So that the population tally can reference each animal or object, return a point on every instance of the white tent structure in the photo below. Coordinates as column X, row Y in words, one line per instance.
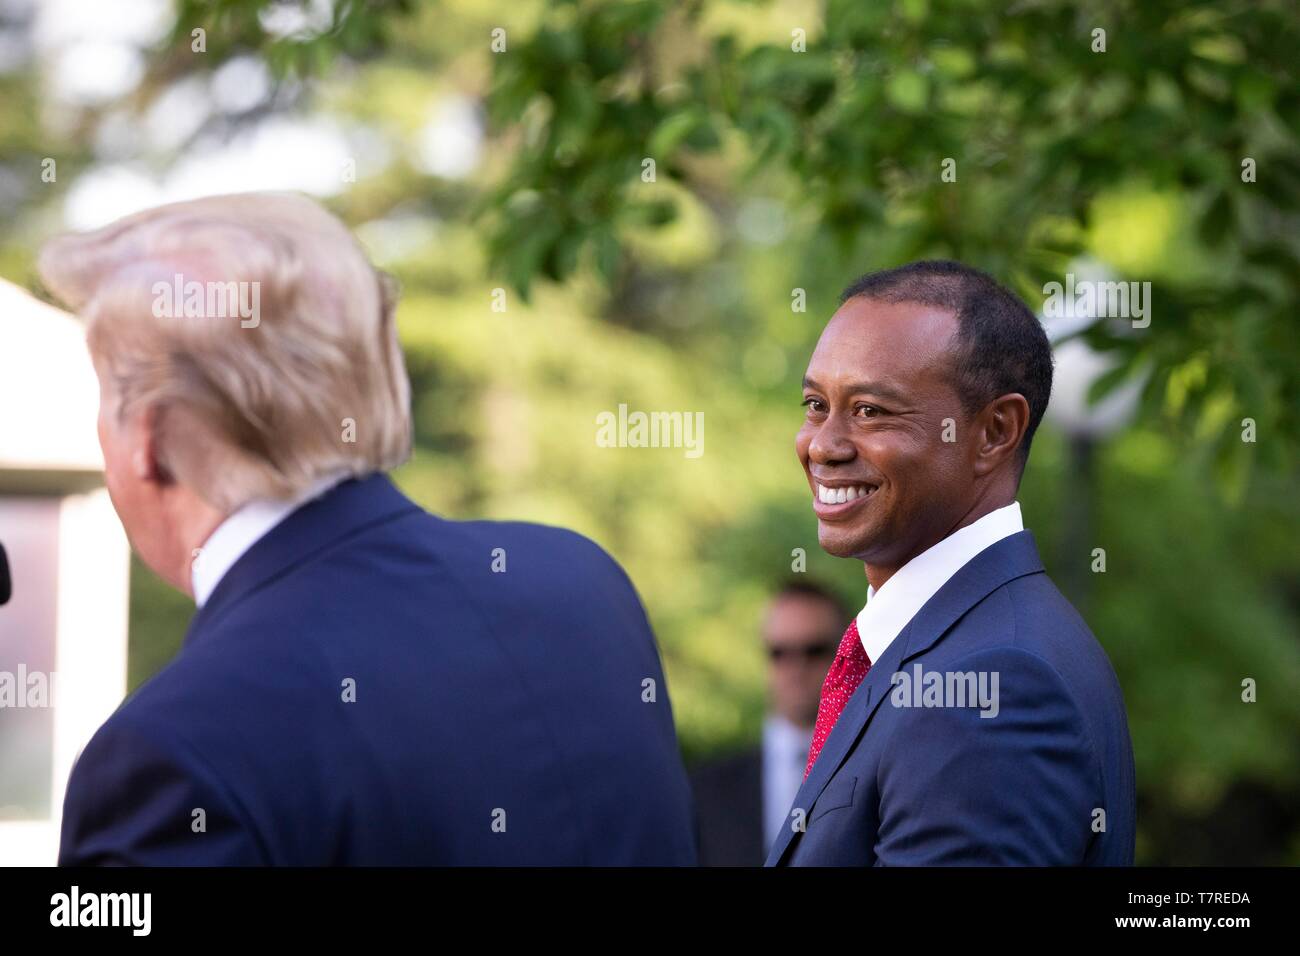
column 63, row 633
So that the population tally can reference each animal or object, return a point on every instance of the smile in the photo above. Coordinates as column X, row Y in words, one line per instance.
column 837, row 496
column 834, row 501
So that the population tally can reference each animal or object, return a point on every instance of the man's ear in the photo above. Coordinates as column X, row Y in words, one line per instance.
column 1000, row 428
column 142, row 433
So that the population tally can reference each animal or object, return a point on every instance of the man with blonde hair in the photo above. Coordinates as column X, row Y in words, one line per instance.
column 362, row 683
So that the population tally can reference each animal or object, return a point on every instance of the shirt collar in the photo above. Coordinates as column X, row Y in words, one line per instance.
column 242, row 529
column 890, row 609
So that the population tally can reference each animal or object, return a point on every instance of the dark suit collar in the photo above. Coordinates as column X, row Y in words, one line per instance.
column 343, row 510
column 1013, row 557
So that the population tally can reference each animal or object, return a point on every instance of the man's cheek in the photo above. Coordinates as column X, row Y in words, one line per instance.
column 802, row 440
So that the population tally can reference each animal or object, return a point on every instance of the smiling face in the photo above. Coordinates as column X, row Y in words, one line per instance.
column 879, row 387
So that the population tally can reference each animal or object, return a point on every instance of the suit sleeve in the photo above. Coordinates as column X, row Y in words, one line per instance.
column 1021, row 787
column 137, row 799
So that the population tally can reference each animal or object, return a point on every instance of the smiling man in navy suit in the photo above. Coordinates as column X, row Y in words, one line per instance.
column 363, row 683
column 970, row 716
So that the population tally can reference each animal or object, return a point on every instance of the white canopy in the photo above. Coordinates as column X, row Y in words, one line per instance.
column 49, row 397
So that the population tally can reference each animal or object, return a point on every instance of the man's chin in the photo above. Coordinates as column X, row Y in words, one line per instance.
column 841, row 542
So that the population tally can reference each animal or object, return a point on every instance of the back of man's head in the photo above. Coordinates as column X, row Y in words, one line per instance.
column 257, row 333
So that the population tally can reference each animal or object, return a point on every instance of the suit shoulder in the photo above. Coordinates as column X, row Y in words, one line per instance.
column 530, row 533
column 1047, row 624
column 539, row 546
column 452, row 536
column 1036, row 599
column 1030, row 614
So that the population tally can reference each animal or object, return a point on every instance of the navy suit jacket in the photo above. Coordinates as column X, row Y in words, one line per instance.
column 515, row 717
column 1048, row 780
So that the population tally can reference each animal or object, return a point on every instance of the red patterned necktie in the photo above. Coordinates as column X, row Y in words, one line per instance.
column 851, row 665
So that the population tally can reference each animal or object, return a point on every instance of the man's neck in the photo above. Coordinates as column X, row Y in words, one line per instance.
column 194, row 526
column 878, row 574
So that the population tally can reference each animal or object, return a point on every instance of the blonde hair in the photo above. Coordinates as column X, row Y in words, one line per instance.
column 245, row 407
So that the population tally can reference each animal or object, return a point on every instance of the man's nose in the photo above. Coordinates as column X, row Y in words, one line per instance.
column 830, row 444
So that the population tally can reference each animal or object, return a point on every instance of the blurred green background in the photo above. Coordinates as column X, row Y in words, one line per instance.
column 494, row 151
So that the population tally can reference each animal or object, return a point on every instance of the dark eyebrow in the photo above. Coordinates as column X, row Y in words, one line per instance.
column 870, row 388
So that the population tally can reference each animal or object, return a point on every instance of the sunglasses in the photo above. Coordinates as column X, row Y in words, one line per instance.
column 809, row 652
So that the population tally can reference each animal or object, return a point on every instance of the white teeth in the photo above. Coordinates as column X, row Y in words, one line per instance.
column 838, row 496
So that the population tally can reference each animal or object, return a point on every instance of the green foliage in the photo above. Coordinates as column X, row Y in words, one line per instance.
column 234, row 26
column 1043, row 128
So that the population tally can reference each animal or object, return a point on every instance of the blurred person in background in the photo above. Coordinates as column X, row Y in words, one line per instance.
column 742, row 799
column 363, row 682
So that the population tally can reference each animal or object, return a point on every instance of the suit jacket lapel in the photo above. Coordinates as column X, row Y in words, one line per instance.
column 873, row 689
column 1012, row 557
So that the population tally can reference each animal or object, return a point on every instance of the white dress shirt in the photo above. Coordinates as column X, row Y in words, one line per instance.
column 242, row 529
column 890, row 609
column 785, row 755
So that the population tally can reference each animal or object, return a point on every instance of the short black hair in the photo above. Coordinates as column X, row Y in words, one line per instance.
column 803, row 587
column 1000, row 345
